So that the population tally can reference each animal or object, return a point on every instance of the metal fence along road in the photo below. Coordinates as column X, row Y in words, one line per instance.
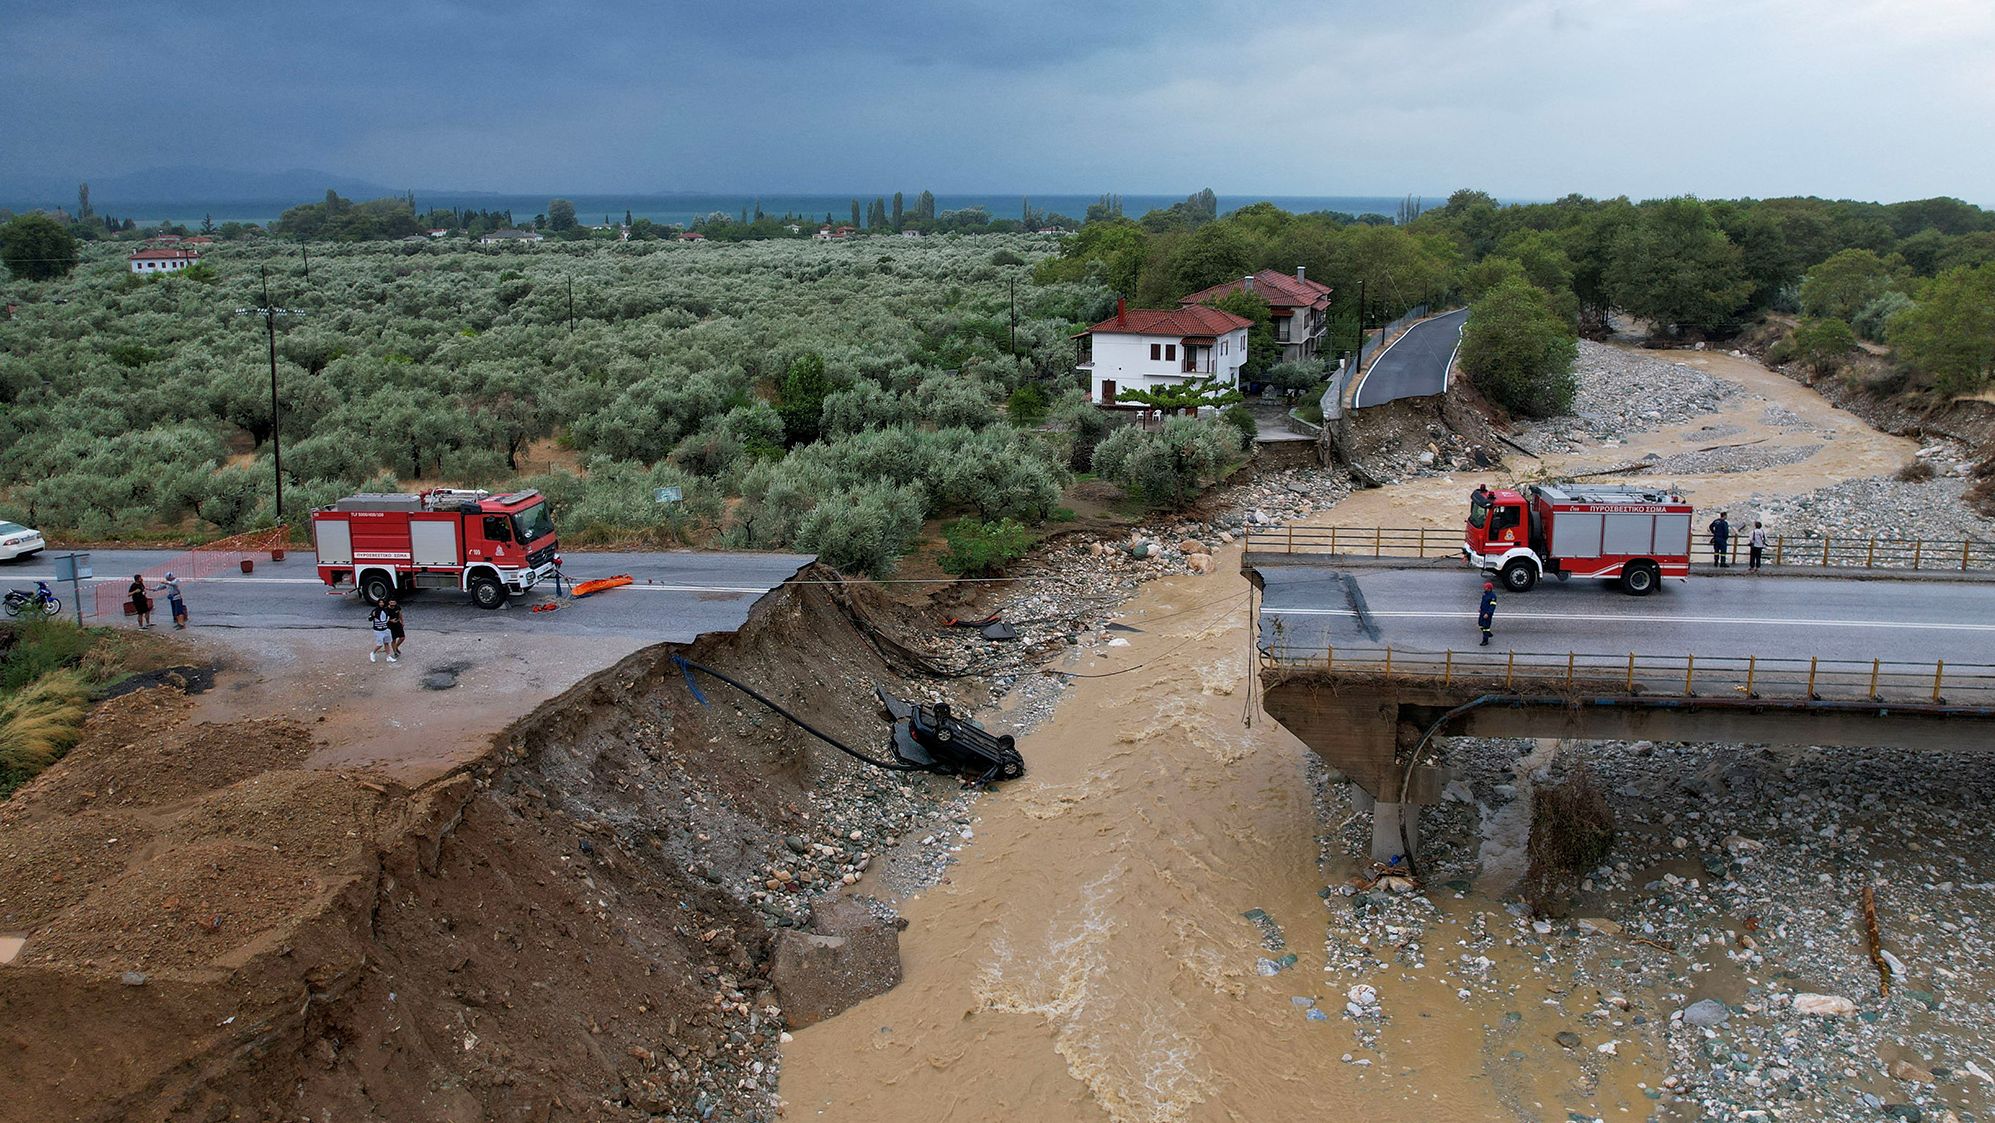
column 1662, row 676
column 1848, row 552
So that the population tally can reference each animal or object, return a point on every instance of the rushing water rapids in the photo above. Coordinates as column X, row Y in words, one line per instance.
column 1092, row 956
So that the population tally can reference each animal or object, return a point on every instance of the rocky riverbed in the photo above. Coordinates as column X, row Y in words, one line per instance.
column 1623, row 392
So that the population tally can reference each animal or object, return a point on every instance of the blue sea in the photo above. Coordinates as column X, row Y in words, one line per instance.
column 685, row 208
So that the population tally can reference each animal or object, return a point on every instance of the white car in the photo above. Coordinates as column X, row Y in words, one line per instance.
column 17, row 541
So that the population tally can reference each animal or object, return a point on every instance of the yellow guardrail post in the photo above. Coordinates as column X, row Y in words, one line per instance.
column 1966, row 549
column 1689, row 668
column 1333, row 539
column 1752, row 667
column 1378, row 541
column 1569, row 660
column 1330, row 657
column 1291, row 538
column 1812, row 662
column 1939, row 668
column 1388, row 662
column 1631, row 672
column 1917, row 543
column 1448, row 668
column 1779, row 548
column 1870, row 559
column 1875, row 665
column 1510, row 669
column 1826, row 539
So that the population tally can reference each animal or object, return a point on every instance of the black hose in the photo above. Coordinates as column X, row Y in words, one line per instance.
column 687, row 665
column 1413, row 760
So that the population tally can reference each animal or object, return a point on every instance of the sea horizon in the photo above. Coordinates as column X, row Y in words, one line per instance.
column 687, row 207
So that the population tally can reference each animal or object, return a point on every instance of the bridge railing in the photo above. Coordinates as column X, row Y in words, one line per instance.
column 1674, row 676
column 1828, row 551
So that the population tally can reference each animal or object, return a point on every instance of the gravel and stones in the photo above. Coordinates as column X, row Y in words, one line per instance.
column 1623, row 392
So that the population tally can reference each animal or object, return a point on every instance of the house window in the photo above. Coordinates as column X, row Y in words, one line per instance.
column 1170, row 352
column 1156, row 351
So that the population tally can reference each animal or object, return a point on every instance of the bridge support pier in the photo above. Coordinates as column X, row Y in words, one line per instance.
column 1388, row 820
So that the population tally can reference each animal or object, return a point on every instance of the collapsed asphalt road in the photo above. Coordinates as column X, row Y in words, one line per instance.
column 676, row 596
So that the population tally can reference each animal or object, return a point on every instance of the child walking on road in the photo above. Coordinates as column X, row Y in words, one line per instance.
column 384, row 640
column 1485, row 616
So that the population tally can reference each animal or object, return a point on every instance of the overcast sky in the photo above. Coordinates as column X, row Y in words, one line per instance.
column 1873, row 99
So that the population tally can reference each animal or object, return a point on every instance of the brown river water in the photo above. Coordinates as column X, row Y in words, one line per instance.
column 1088, row 957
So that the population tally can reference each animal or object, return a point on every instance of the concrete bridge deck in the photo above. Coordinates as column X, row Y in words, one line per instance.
column 1367, row 662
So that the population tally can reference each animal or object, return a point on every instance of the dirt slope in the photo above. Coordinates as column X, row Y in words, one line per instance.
column 574, row 926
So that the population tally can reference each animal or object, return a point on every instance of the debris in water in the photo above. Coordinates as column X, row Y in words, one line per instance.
column 1267, row 966
column 1271, row 933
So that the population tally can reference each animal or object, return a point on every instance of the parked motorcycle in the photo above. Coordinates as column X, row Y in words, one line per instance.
column 41, row 602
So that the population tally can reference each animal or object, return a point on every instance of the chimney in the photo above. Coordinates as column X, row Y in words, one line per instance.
column 1247, row 283
column 1299, row 274
column 1121, row 312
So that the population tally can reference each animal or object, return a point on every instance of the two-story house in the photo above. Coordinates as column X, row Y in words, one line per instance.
column 1145, row 348
column 1298, row 307
column 163, row 260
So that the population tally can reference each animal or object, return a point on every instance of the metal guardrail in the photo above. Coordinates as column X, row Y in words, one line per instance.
column 1831, row 552
column 1661, row 676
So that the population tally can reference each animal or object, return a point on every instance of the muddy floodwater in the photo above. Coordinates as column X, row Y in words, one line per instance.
column 1155, row 924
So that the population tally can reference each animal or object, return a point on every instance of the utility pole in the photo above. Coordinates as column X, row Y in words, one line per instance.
column 1012, row 340
column 1361, row 327
column 307, row 251
column 571, row 304
column 270, row 312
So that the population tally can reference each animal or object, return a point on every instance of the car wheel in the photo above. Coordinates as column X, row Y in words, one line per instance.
column 1519, row 576
column 486, row 592
column 1639, row 579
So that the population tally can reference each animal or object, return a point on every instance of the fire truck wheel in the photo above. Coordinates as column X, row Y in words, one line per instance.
column 1519, row 576
column 486, row 592
column 377, row 588
column 1638, row 579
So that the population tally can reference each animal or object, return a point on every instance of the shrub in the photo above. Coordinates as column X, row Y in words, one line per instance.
column 1519, row 351
column 1873, row 318
column 1572, row 832
column 865, row 530
column 1916, row 472
column 39, row 722
column 1820, row 345
column 1170, row 467
column 983, row 549
column 1027, row 405
column 1242, row 418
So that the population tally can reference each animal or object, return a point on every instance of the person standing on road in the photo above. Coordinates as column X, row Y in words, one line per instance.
column 395, row 632
column 1485, row 616
column 1721, row 537
column 141, row 604
column 384, row 640
column 1756, row 546
column 175, row 605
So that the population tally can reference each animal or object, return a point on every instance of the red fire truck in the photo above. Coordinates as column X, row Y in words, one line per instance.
column 491, row 546
column 1638, row 535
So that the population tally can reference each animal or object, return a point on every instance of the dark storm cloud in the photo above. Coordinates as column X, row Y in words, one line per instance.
column 1524, row 97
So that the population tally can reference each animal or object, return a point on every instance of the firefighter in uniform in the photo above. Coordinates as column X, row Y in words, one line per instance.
column 1485, row 616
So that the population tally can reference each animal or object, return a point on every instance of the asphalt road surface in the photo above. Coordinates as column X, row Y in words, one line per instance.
column 676, row 597
column 1308, row 608
column 1416, row 364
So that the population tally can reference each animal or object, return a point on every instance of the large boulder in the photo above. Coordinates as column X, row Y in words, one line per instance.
column 847, row 956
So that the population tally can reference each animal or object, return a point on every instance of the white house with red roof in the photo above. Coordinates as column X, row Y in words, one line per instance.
column 1147, row 348
column 1298, row 307
column 162, row 259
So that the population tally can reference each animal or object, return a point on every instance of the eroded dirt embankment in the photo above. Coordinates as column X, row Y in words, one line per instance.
column 576, row 925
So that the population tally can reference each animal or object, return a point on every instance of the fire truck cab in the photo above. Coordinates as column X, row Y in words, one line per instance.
column 491, row 546
column 1635, row 535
